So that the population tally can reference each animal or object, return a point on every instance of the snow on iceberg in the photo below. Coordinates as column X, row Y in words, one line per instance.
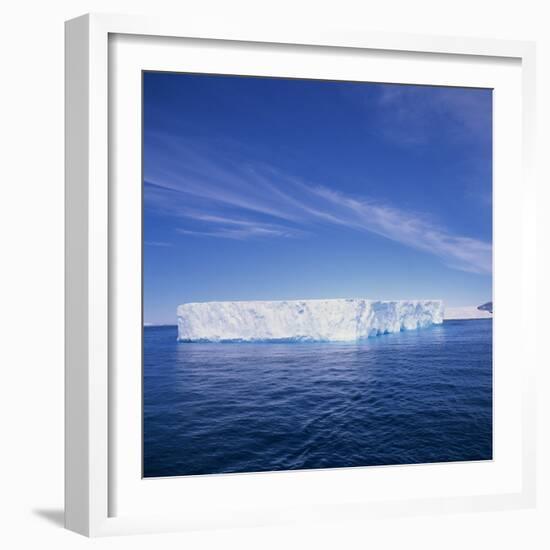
column 303, row 320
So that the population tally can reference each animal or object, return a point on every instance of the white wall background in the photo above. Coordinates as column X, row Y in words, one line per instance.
column 31, row 278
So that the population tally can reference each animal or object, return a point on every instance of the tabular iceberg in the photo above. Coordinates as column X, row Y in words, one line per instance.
column 303, row 320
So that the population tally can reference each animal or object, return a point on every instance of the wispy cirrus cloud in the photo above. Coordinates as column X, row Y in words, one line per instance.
column 407, row 116
column 457, row 251
column 237, row 234
column 238, row 229
column 209, row 195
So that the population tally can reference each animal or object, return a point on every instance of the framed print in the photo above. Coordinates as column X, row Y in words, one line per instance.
column 294, row 290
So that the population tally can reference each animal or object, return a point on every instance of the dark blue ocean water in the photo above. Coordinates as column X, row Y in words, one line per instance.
column 413, row 397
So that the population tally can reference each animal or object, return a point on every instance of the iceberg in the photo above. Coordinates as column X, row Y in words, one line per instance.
column 464, row 313
column 334, row 320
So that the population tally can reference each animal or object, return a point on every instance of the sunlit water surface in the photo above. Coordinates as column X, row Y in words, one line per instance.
column 413, row 397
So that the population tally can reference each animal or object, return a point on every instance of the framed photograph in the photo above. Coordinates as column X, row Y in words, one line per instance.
column 299, row 275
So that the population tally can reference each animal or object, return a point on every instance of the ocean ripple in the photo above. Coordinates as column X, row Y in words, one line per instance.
column 411, row 397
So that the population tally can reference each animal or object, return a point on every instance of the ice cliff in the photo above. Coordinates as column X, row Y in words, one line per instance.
column 303, row 320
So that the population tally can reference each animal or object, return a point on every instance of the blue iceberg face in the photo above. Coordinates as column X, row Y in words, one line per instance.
column 486, row 307
column 303, row 320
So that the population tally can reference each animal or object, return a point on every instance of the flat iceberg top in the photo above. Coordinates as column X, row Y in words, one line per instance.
column 466, row 312
column 333, row 320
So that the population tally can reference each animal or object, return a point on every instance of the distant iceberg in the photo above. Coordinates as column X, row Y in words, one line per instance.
column 488, row 306
column 464, row 313
column 337, row 320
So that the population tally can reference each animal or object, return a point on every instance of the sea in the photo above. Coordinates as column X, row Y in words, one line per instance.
column 413, row 397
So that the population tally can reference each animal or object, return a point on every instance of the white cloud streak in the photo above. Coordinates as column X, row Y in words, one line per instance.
column 253, row 201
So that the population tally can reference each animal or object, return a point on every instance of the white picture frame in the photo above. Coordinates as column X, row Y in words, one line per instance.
column 95, row 450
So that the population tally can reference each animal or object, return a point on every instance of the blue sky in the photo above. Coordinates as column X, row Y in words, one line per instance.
column 262, row 188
